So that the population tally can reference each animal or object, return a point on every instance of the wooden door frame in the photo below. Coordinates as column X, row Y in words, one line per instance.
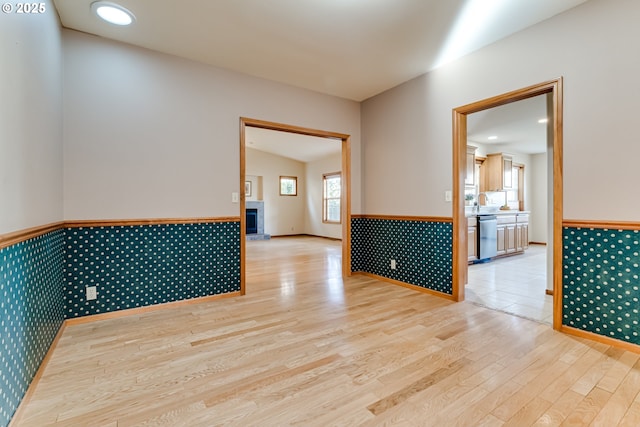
column 553, row 87
column 346, row 187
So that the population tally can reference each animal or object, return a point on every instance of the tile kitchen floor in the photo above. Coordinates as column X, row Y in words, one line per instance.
column 514, row 285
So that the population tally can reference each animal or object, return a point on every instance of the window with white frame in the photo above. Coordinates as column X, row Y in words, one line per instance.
column 331, row 194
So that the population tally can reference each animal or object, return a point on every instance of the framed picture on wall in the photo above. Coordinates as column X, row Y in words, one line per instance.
column 247, row 188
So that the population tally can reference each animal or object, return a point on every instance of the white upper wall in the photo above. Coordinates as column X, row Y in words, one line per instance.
column 407, row 131
column 314, row 172
column 539, row 196
column 30, row 120
column 286, row 215
column 148, row 135
column 283, row 215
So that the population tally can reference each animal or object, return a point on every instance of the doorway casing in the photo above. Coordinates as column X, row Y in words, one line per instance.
column 554, row 88
column 346, row 187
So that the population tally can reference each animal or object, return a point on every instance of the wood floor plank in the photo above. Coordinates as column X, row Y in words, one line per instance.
column 632, row 417
column 307, row 347
column 480, row 406
column 560, row 409
column 621, row 400
column 416, row 387
column 595, row 373
column 618, row 371
column 572, row 377
column 529, row 413
column 490, row 421
column 588, row 408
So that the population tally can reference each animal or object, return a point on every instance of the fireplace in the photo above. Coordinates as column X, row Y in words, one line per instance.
column 252, row 221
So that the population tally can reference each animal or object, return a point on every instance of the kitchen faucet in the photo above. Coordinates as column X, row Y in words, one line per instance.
column 478, row 200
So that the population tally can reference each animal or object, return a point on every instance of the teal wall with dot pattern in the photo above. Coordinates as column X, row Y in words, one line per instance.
column 142, row 265
column 31, row 313
column 43, row 281
column 600, row 285
column 422, row 250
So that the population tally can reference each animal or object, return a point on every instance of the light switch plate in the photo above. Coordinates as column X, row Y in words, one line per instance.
column 447, row 196
column 235, row 197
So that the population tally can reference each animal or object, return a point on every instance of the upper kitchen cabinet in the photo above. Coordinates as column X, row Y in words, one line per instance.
column 470, row 178
column 499, row 171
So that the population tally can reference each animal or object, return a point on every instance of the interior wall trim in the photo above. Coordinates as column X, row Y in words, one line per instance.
column 15, row 237
column 146, row 221
column 345, row 193
column 554, row 91
column 279, row 236
column 606, row 224
column 569, row 330
column 405, row 285
column 17, row 415
column 405, row 218
column 141, row 310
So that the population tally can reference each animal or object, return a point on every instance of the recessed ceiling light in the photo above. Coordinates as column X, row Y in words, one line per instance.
column 492, row 137
column 545, row 120
column 112, row 13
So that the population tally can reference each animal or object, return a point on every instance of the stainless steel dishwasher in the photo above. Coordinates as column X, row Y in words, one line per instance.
column 487, row 236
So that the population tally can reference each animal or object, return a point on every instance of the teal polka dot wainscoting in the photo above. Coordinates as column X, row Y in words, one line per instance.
column 141, row 265
column 43, row 281
column 600, row 288
column 422, row 251
column 31, row 313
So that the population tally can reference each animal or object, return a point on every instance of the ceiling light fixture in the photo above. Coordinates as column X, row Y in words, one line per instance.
column 492, row 137
column 113, row 13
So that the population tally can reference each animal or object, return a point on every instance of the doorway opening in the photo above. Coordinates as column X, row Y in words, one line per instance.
column 554, row 133
column 345, row 186
column 508, row 190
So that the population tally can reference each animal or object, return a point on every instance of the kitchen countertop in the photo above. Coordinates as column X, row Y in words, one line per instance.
column 497, row 212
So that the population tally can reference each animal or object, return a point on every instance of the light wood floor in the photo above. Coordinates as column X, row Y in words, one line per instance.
column 304, row 347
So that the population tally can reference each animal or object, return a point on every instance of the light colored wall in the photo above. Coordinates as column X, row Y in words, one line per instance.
column 538, row 217
column 150, row 135
column 256, row 187
column 407, row 160
column 30, row 120
column 313, row 219
column 283, row 215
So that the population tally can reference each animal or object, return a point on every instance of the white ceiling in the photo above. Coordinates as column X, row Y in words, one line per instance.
column 353, row 49
column 294, row 146
column 348, row 48
column 515, row 125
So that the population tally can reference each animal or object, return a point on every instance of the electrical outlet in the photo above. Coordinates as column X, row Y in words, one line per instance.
column 393, row 264
column 91, row 293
